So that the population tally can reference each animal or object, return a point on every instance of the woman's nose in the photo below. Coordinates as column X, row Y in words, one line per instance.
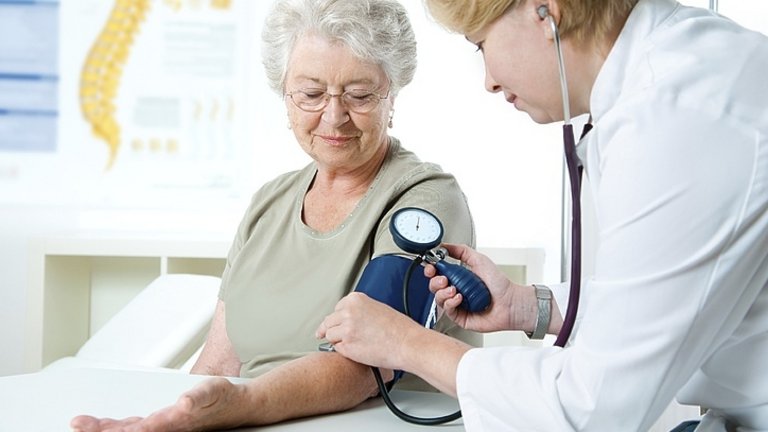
column 490, row 83
column 335, row 113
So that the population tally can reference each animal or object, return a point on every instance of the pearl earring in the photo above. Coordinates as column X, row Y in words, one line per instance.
column 391, row 114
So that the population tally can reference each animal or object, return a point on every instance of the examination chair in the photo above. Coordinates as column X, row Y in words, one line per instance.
column 164, row 326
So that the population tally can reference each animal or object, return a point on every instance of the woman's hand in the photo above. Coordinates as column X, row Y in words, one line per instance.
column 498, row 316
column 213, row 404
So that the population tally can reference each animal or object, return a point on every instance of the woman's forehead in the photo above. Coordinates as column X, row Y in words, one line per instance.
column 317, row 59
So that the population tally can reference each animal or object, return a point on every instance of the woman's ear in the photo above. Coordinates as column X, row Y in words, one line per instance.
column 391, row 103
column 546, row 11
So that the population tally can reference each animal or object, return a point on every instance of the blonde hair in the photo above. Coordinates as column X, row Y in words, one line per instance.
column 583, row 20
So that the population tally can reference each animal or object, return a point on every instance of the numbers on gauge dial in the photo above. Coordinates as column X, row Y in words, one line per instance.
column 419, row 227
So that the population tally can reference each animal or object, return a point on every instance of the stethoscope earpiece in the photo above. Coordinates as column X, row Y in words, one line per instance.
column 543, row 11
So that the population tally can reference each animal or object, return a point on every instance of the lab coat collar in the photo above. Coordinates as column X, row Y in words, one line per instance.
column 617, row 74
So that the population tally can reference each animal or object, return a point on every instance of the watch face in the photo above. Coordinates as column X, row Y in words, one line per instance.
column 416, row 230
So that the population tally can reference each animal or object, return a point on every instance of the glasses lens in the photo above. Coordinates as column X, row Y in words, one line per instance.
column 359, row 101
column 309, row 100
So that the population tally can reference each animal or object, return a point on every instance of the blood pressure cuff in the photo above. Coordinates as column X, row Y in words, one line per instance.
column 382, row 280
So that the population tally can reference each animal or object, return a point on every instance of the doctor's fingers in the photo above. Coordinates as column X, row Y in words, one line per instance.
column 429, row 270
column 444, row 292
column 461, row 252
column 437, row 283
column 341, row 330
column 357, row 317
column 343, row 312
column 332, row 320
column 449, row 301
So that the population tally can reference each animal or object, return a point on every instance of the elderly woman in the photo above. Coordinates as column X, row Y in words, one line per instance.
column 678, row 165
column 308, row 234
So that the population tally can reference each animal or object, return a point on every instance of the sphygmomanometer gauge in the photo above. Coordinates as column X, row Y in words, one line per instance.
column 415, row 230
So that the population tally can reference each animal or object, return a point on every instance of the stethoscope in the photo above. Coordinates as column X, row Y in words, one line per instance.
column 574, row 177
column 424, row 245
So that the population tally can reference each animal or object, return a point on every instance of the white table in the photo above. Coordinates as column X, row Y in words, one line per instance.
column 47, row 400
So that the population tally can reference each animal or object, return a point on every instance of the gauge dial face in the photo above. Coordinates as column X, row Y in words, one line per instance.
column 416, row 230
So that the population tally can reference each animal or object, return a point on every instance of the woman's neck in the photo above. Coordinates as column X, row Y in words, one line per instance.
column 587, row 61
column 334, row 194
column 343, row 181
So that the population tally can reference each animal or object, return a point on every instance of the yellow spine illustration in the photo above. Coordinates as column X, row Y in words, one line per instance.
column 221, row 4
column 103, row 69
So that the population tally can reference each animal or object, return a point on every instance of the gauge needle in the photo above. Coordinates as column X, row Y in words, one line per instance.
column 418, row 219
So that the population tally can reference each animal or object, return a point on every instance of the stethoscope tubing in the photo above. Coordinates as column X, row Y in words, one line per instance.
column 574, row 176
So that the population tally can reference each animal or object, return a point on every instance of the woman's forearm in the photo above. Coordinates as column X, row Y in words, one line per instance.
column 316, row 384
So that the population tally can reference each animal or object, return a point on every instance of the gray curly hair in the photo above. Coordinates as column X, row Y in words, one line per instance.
column 377, row 31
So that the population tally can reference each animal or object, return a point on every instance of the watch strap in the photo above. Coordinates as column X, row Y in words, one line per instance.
column 544, row 314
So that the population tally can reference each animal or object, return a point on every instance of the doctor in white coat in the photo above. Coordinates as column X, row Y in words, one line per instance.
column 678, row 165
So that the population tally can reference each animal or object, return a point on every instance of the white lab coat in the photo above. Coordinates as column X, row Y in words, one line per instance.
column 678, row 303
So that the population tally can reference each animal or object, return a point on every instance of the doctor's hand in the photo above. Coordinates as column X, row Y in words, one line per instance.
column 500, row 315
column 211, row 405
column 368, row 331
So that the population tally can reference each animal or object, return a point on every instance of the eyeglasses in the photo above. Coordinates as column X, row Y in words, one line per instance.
column 358, row 101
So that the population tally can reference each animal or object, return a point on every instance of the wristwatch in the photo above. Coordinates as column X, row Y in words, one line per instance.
column 544, row 297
